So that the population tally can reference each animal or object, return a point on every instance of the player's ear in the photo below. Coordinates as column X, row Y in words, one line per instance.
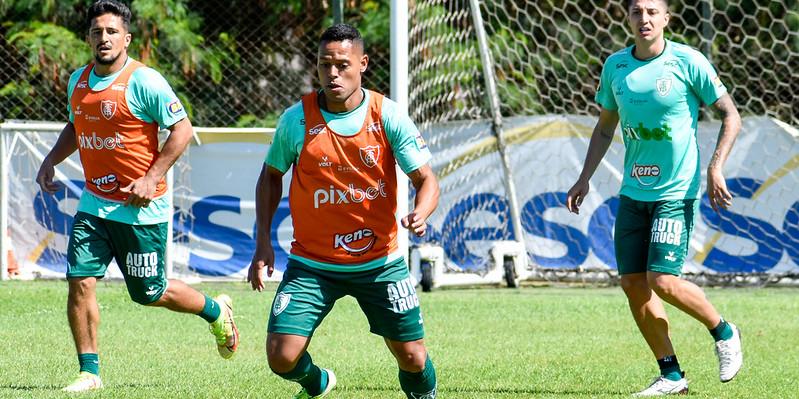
column 364, row 63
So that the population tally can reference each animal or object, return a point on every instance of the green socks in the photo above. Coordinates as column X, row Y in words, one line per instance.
column 421, row 384
column 89, row 362
column 211, row 310
column 721, row 332
column 670, row 368
column 308, row 375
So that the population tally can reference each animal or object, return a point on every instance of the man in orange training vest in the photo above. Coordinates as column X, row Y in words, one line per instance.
column 343, row 143
column 116, row 106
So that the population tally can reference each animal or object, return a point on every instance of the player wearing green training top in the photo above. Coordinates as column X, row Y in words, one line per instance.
column 654, row 89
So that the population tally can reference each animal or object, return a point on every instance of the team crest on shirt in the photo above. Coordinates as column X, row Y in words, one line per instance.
column 663, row 86
column 108, row 108
column 281, row 302
column 370, row 155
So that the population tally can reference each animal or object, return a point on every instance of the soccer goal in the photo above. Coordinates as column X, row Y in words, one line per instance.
column 503, row 91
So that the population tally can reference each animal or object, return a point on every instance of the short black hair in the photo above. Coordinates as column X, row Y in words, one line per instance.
column 115, row 7
column 630, row 2
column 340, row 33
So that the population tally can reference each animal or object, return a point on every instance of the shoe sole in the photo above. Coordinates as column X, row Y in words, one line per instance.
column 228, row 303
column 331, row 383
column 740, row 338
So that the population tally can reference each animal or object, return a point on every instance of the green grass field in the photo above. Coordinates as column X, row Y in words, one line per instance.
column 486, row 343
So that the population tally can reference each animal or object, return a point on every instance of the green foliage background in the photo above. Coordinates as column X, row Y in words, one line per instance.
column 241, row 62
column 234, row 63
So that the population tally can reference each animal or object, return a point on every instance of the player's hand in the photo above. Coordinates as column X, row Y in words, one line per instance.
column 140, row 192
column 264, row 257
column 576, row 195
column 717, row 191
column 415, row 223
column 45, row 177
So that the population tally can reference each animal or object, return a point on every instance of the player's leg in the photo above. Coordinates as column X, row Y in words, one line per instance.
column 88, row 255
column 388, row 298
column 417, row 375
column 631, row 240
column 139, row 251
column 303, row 299
column 649, row 314
column 671, row 231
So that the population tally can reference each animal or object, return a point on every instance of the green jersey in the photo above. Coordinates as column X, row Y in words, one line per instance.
column 658, row 104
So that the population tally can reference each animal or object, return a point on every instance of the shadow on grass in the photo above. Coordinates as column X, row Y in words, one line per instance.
column 514, row 391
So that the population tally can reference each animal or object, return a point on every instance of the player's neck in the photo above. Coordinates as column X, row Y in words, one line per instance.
column 647, row 50
column 352, row 102
column 114, row 67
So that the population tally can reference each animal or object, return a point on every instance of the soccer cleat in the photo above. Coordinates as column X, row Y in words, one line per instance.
column 730, row 355
column 331, row 383
column 661, row 386
column 85, row 382
column 224, row 328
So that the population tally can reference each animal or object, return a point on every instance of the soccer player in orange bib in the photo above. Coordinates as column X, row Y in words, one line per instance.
column 342, row 144
column 116, row 106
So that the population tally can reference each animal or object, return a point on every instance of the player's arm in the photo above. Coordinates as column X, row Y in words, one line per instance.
column 425, row 202
column 64, row 147
column 142, row 190
column 717, row 191
column 597, row 147
column 268, row 192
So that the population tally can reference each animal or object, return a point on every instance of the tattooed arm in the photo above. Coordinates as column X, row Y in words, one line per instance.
column 717, row 191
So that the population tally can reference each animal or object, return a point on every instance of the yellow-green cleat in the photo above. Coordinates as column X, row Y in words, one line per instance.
column 331, row 383
column 84, row 382
column 224, row 328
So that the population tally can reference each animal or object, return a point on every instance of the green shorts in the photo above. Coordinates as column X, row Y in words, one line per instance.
column 386, row 295
column 138, row 249
column 653, row 236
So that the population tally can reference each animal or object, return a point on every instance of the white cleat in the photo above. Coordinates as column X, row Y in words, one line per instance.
column 661, row 386
column 331, row 383
column 85, row 382
column 730, row 355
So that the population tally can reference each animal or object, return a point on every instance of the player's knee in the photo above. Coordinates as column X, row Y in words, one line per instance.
column 280, row 362
column 412, row 358
column 81, row 287
column 634, row 285
column 281, row 359
column 665, row 286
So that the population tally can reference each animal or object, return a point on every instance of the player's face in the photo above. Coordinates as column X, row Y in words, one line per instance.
column 108, row 38
column 647, row 19
column 340, row 65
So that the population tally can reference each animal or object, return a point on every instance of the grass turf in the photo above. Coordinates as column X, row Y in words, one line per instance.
column 486, row 343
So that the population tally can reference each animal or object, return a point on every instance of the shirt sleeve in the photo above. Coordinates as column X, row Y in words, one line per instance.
column 406, row 141
column 703, row 78
column 151, row 99
column 604, row 93
column 73, row 81
column 286, row 147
